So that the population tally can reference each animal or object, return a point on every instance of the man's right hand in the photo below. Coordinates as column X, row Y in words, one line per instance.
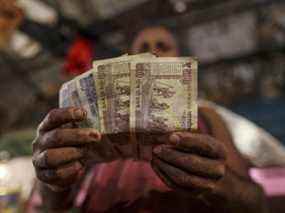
column 59, row 148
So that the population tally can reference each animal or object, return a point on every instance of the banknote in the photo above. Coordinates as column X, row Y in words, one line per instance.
column 64, row 100
column 74, row 94
column 132, row 99
column 81, row 92
column 69, row 96
column 164, row 94
column 113, row 92
column 163, row 99
column 86, row 88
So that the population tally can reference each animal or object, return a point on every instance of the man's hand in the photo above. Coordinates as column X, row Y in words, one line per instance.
column 196, row 165
column 191, row 162
column 58, row 150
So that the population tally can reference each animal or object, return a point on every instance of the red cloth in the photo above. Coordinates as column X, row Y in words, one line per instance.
column 79, row 57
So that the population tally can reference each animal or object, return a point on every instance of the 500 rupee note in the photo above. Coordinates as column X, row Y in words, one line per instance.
column 113, row 91
column 164, row 96
column 163, row 99
column 112, row 78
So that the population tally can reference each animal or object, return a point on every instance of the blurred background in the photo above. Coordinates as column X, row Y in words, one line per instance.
column 239, row 43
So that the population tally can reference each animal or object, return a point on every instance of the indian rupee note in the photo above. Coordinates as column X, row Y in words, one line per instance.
column 165, row 94
column 112, row 78
column 74, row 94
column 86, row 88
column 64, row 100
column 163, row 98
column 113, row 91
column 68, row 96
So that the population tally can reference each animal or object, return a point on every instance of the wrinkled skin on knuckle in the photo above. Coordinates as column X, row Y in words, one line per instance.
column 210, row 187
column 53, row 137
column 82, row 134
column 57, row 157
column 61, row 177
column 50, row 139
column 215, row 146
column 70, row 174
column 221, row 171
column 183, row 181
column 186, row 181
column 210, row 143
column 51, row 116
column 212, row 169
column 40, row 160
column 191, row 159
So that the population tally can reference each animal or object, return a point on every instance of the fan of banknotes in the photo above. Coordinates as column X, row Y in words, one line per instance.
column 136, row 93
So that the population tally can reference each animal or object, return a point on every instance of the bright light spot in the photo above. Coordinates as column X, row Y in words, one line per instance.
column 3, row 172
column 180, row 7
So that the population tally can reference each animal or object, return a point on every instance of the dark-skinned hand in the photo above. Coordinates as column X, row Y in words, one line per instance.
column 190, row 162
column 59, row 149
column 197, row 166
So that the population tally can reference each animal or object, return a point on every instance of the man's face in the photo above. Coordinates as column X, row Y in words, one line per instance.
column 156, row 40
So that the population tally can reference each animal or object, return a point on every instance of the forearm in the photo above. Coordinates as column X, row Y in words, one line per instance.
column 57, row 201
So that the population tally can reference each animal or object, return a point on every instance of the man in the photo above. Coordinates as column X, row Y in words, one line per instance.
column 189, row 172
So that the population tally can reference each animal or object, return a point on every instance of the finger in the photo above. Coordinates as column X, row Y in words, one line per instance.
column 61, row 176
column 58, row 117
column 204, row 145
column 68, row 137
column 163, row 176
column 178, row 178
column 191, row 163
column 53, row 158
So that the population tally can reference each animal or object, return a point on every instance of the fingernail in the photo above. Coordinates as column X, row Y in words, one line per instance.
column 79, row 113
column 95, row 135
column 174, row 139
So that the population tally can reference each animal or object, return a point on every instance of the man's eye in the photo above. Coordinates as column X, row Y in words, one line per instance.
column 145, row 47
column 162, row 46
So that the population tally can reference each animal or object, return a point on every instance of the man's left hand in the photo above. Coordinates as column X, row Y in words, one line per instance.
column 190, row 162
